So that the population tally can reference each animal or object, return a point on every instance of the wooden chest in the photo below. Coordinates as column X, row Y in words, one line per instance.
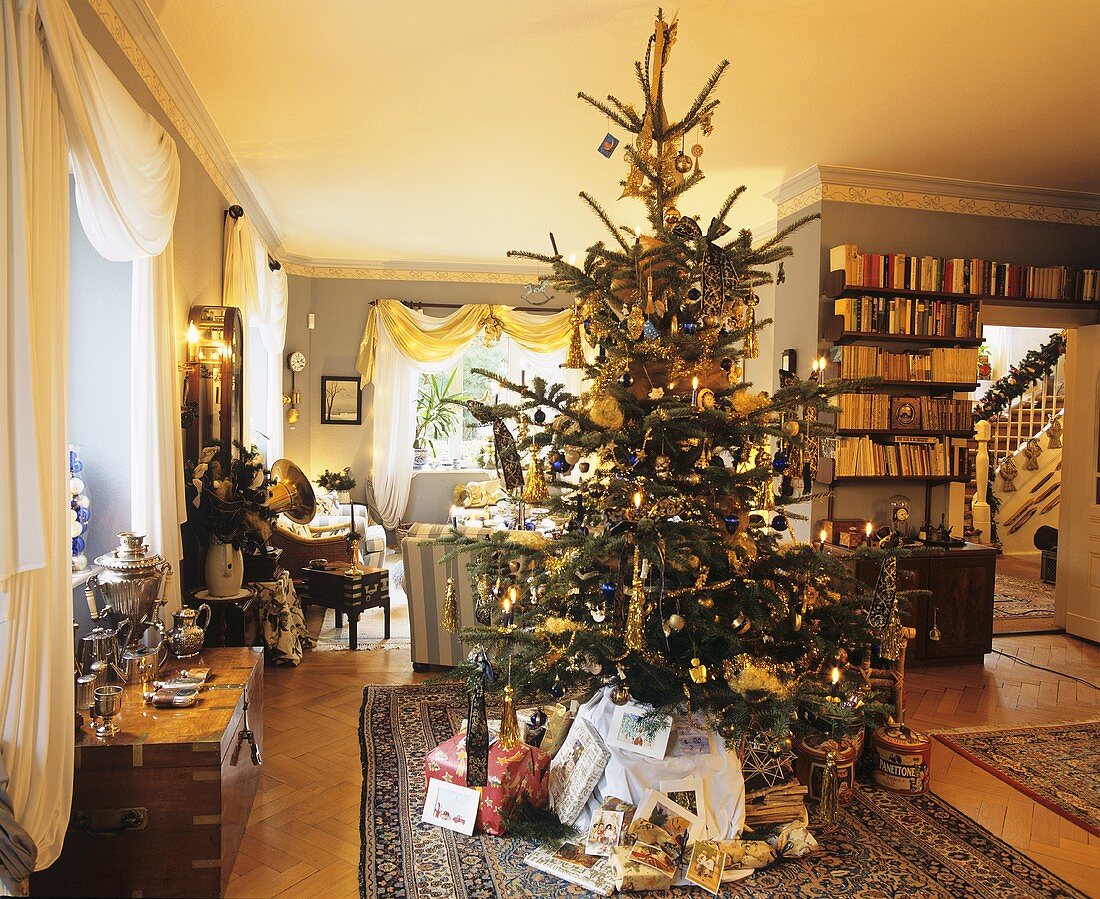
column 161, row 808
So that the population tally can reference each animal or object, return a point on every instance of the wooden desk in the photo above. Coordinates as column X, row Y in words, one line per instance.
column 182, row 771
column 961, row 581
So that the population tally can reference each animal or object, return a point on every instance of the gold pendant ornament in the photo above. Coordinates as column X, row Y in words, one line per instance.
column 509, row 722
column 450, row 607
column 575, row 356
column 635, row 322
column 534, row 486
column 635, row 615
column 751, row 349
column 830, row 792
column 698, row 671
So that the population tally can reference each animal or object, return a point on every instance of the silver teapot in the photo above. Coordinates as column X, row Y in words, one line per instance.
column 133, row 581
column 99, row 652
column 186, row 638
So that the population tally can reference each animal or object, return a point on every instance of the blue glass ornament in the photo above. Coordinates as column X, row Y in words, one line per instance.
column 587, row 325
column 731, row 522
column 608, row 590
column 557, row 690
column 649, row 331
column 780, row 462
column 78, row 545
column 76, row 466
column 779, row 523
column 529, row 524
column 633, row 458
column 539, row 416
column 557, row 464
column 538, row 718
column 83, row 515
column 689, row 327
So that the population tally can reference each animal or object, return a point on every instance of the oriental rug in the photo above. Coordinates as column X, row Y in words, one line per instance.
column 883, row 844
column 1058, row 765
column 1021, row 605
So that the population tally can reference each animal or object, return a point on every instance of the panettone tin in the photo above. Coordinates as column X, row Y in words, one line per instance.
column 902, row 758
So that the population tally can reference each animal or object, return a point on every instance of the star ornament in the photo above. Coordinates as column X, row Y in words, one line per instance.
column 765, row 766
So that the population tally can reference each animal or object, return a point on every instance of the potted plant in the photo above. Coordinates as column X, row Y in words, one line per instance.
column 338, row 482
column 228, row 496
column 436, row 416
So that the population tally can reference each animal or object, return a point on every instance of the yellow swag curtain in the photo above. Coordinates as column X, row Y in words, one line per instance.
column 421, row 338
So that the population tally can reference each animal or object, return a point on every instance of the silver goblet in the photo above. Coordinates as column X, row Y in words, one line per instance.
column 108, row 703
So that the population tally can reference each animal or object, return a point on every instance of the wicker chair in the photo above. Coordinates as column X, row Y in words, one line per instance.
column 299, row 550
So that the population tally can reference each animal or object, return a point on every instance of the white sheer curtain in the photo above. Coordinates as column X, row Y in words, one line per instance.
column 127, row 183
column 394, row 418
column 251, row 285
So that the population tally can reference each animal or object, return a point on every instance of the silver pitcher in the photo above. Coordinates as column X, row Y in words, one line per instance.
column 133, row 581
column 187, row 637
column 99, row 652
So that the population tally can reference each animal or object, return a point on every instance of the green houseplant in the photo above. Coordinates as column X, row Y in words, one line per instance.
column 338, row 482
column 436, row 415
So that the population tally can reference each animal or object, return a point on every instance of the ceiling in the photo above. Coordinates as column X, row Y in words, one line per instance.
column 435, row 131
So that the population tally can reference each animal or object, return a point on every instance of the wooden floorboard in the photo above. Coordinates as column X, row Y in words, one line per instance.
column 303, row 834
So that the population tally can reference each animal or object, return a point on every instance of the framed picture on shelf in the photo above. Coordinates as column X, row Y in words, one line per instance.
column 341, row 400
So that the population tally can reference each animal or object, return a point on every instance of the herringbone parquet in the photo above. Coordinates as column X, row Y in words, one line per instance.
column 303, row 835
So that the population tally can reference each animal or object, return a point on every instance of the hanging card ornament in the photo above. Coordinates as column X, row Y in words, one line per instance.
column 608, row 145
column 885, row 600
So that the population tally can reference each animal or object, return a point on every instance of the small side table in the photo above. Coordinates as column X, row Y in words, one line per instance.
column 334, row 587
column 233, row 619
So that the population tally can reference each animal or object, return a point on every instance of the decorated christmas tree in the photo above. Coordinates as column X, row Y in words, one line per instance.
column 675, row 579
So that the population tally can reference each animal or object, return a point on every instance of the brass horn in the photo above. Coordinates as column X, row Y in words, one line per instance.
column 291, row 494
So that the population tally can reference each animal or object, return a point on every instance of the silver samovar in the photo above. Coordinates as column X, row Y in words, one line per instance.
column 133, row 581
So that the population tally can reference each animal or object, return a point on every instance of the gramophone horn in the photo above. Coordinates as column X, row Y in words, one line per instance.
column 291, row 494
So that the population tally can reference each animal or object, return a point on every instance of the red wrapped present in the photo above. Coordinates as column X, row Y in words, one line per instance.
column 518, row 774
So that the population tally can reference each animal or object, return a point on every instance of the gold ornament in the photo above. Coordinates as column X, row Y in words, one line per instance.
column 575, row 356
column 830, row 792
column 704, row 399
column 534, row 487
column 509, row 723
column 706, row 602
column 751, row 349
column 606, row 412
column 635, row 615
column 791, row 428
column 683, row 163
column 493, row 330
column 450, row 607
column 635, row 322
column 620, row 695
column 698, row 671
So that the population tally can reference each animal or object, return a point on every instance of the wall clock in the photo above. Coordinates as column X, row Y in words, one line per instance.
column 296, row 361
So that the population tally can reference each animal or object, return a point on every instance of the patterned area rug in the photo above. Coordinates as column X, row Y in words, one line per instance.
column 1057, row 766
column 884, row 844
column 1015, row 597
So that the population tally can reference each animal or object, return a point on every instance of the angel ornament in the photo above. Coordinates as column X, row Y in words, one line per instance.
column 1007, row 470
column 1033, row 450
column 1054, row 432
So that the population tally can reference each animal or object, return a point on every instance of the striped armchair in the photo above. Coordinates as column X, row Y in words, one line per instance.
column 426, row 585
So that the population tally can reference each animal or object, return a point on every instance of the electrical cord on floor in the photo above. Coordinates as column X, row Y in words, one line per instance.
column 1051, row 670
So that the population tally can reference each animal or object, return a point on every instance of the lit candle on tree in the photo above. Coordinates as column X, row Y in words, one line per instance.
column 821, row 538
column 694, row 389
column 821, row 363
column 867, row 532
column 508, row 606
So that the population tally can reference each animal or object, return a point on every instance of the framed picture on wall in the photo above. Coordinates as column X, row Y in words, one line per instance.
column 341, row 400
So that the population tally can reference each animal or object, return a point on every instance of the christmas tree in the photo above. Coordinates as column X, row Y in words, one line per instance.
column 675, row 578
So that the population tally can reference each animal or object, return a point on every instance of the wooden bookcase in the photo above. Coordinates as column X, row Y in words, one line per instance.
column 834, row 334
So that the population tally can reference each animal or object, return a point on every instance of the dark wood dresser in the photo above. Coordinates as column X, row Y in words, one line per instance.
column 961, row 607
column 161, row 808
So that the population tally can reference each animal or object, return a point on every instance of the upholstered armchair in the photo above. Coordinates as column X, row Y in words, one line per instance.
column 326, row 538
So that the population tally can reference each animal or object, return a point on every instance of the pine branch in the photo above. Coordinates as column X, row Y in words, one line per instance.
column 786, row 231
column 627, row 112
column 537, row 257
column 724, row 210
column 613, row 114
column 692, row 115
column 605, row 218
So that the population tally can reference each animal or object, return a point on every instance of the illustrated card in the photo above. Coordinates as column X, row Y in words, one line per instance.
column 682, row 825
column 706, row 864
column 450, row 805
column 603, row 832
column 633, row 728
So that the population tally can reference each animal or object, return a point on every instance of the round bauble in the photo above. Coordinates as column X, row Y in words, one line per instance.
column 683, row 163
column 626, row 379
column 727, row 364
column 78, row 545
column 620, row 695
column 780, row 462
column 676, row 622
column 598, row 614
column 82, row 501
column 539, row 416
column 791, row 429
column 73, row 515
column 514, row 566
column 76, row 486
column 537, row 719
column 584, row 466
column 556, row 689
column 572, row 456
column 75, row 528
column 779, row 523
column 694, row 294
column 693, row 477
column 80, row 562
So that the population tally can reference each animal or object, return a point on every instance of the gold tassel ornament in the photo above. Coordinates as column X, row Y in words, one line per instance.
column 635, row 615
column 509, row 722
column 830, row 792
column 534, row 487
column 751, row 349
column 575, row 356
column 450, row 607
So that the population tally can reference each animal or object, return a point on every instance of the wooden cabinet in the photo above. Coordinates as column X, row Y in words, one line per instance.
column 961, row 605
column 161, row 808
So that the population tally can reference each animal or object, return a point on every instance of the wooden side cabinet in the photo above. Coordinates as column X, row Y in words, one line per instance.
column 161, row 808
column 961, row 582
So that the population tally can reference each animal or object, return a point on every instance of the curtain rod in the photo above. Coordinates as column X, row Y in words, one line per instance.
column 419, row 306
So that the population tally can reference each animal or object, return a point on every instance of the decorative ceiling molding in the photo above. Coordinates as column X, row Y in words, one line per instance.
column 902, row 191
column 389, row 273
column 134, row 28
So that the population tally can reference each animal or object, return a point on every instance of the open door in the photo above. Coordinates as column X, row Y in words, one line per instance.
column 1077, row 601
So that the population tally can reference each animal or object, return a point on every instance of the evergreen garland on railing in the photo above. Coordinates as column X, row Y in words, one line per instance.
column 1035, row 366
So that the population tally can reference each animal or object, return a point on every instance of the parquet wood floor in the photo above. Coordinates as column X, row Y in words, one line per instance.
column 303, row 834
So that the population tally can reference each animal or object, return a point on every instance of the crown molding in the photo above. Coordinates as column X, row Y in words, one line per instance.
column 412, row 271
column 899, row 190
column 134, row 28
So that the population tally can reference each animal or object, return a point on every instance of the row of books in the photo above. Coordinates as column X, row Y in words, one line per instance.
column 954, row 365
column 912, row 457
column 906, row 315
column 976, row 277
column 881, row 412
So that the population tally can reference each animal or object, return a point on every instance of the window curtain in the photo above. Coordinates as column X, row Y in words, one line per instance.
column 251, row 285
column 59, row 98
column 400, row 344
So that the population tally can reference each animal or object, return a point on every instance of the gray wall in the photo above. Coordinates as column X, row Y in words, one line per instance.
column 340, row 307
column 918, row 232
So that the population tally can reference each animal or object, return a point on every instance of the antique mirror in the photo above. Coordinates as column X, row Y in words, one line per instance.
column 213, row 391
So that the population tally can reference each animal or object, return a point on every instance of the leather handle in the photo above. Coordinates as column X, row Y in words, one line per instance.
column 128, row 819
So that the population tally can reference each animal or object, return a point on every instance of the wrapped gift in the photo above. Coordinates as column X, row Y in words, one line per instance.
column 515, row 775
column 632, row 874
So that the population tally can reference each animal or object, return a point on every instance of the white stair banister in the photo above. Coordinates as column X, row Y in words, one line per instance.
column 982, row 519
